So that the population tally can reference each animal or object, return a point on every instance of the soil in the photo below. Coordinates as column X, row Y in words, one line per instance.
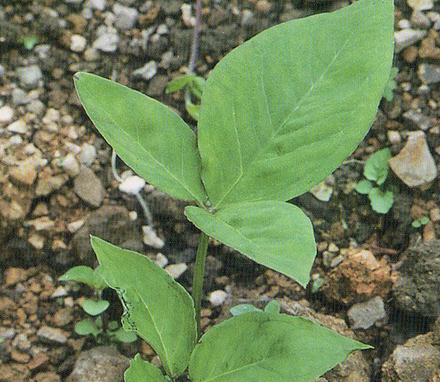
column 46, row 216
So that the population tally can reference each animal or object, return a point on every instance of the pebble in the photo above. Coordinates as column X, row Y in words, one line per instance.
column 417, row 120
column 188, row 19
column 89, row 187
column 150, row 237
column 217, row 297
column 24, row 174
column 125, row 17
column 263, row 6
column 421, row 5
column 2, row 71
column 70, row 165
column 14, row 275
column 19, row 97
column 52, row 335
column 429, row 73
column 407, row 37
column 87, row 155
column 99, row 5
column 161, row 260
column 394, row 137
column 247, row 18
column 6, row 114
column 132, row 185
column 18, row 127
column 414, row 164
column 77, row 43
column 107, row 42
column 147, row 72
column 420, row 20
column 176, row 270
column 404, row 24
column 29, row 76
column 364, row 315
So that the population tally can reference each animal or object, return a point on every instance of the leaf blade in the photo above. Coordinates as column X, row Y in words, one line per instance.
column 141, row 370
column 274, row 128
column 143, row 287
column 153, row 140
column 276, row 234
column 268, row 347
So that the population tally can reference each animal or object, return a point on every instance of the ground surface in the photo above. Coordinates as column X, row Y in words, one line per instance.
column 376, row 277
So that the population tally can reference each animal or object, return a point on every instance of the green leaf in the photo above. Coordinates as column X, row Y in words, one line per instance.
column 388, row 92
column 364, row 187
column 95, row 308
column 124, row 336
column 243, row 308
column 140, row 371
column 276, row 234
column 157, row 308
column 284, row 109
column 193, row 110
column 273, row 307
column 416, row 223
column 261, row 347
column 381, row 201
column 150, row 138
column 197, row 86
column 84, row 275
column 87, row 327
column 424, row 220
column 376, row 167
column 179, row 83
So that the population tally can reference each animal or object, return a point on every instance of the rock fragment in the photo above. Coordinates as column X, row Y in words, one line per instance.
column 364, row 315
column 29, row 76
column 407, row 37
column 414, row 165
column 89, row 187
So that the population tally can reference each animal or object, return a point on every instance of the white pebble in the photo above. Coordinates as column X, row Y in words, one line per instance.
column 218, row 297
column 70, row 165
column 132, row 185
column 77, row 43
column 161, row 260
column 18, row 127
column 176, row 270
column 150, row 237
column 6, row 114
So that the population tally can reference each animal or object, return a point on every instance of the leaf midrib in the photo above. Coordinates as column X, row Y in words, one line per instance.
column 162, row 166
column 285, row 121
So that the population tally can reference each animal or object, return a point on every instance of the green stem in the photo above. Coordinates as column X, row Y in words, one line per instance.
column 199, row 274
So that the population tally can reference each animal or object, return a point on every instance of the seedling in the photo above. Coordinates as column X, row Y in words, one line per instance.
column 420, row 222
column 95, row 308
column 29, row 41
column 194, row 86
column 376, row 171
column 278, row 115
column 271, row 307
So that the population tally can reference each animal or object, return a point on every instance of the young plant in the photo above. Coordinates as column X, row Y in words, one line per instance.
column 278, row 114
column 420, row 222
column 193, row 86
column 376, row 171
column 95, row 308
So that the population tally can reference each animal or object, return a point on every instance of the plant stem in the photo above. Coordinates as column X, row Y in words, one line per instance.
column 198, row 278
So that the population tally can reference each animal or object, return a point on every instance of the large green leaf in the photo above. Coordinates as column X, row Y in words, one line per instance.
column 157, row 308
column 153, row 140
column 276, row 234
column 283, row 110
column 143, row 371
column 262, row 347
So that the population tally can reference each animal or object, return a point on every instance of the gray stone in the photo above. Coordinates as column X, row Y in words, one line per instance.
column 52, row 335
column 429, row 74
column 414, row 164
column 407, row 37
column 19, row 97
column 110, row 223
column 418, row 360
column 97, row 4
column 417, row 119
column 147, row 72
column 364, row 315
column 107, row 42
column 29, row 76
column 418, row 284
column 89, row 187
column 126, row 17
column 100, row 364
column 420, row 20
